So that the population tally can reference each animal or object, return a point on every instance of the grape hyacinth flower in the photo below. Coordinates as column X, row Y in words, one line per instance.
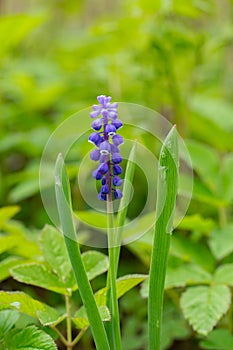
column 107, row 143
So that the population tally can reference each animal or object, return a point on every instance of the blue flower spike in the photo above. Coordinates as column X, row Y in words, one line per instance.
column 107, row 141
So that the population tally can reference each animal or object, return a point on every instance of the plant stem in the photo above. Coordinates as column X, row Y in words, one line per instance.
column 68, row 323
column 166, row 198
column 112, row 293
column 222, row 216
column 79, row 336
column 62, row 338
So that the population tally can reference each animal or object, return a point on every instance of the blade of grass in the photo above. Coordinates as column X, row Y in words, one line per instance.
column 65, row 213
column 166, row 199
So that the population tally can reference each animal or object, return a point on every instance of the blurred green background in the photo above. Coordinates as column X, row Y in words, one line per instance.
column 173, row 56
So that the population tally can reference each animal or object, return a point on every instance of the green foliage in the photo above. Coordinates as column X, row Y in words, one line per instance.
column 219, row 339
column 203, row 306
column 171, row 56
column 28, row 338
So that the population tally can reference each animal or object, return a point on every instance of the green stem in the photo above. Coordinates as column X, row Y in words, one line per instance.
column 79, row 336
column 85, row 290
column 62, row 338
column 115, row 335
column 222, row 216
column 166, row 198
column 68, row 323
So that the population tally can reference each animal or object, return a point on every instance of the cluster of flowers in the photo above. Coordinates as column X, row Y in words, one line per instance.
column 107, row 142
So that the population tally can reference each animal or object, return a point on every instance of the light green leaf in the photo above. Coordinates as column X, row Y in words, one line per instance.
column 7, row 321
column 221, row 241
column 205, row 161
column 29, row 338
column 203, row 306
column 54, row 250
column 95, row 263
column 7, row 213
column 16, row 27
column 196, row 223
column 22, row 302
column 7, row 242
column 123, row 285
column 215, row 110
column 184, row 275
column 39, row 275
column 89, row 217
column 81, row 321
column 189, row 251
column 224, row 275
column 219, row 339
column 7, row 264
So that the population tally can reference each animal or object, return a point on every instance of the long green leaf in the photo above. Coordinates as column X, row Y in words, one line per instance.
column 66, row 219
column 166, row 199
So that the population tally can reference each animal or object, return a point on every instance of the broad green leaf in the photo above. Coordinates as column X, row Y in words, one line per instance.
column 7, row 264
column 7, row 213
column 184, row 275
column 95, row 263
column 224, row 275
column 22, row 302
column 54, row 250
column 7, row 242
column 81, row 321
column 123, row 285
column 219, row 339
column 91, row 218
column 193, row 252
column 196, row 223
column 205, row 161
column 39, row 275
column 29, row 338
column 7, row 321
column 221, row 241
column 203, row 306
column 216, row 110
column 16, row 27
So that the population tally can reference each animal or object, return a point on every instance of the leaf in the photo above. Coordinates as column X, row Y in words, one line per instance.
column 7, row 242
column 7, row 320
column 16, row 27
column 216, row 110
column 123, row 285
column 81, row 321
column 39, row 275
column 203, row 306
column 22, row 302
column 7, row 213
column 54, row 250
column 189, row 251
column 29, row 338
column 91, row 218
column 205, row 161
column 219, row 339
column 95, row 263
column 221, row 241
column 224, row 275
column 196, row 223
column 7, row 264
column 184, row 275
